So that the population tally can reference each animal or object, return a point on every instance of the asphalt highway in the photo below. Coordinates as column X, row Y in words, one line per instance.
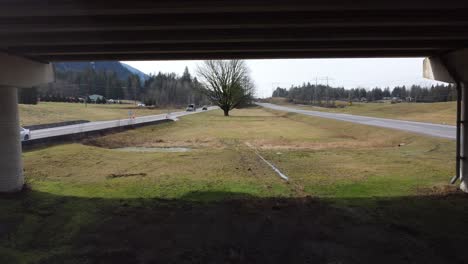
column 436, row 130
column 100, row 125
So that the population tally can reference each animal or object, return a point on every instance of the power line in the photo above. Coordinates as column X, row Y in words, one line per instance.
column 317, row 79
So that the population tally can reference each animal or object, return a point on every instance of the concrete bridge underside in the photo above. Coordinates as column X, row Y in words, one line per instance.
column 34, row 33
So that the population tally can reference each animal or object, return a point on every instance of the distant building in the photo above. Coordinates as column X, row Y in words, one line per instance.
column 95, row 98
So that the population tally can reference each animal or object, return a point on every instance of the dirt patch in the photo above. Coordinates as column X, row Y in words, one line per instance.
column 114, row 176
column 141, row 141
column 145, row 149
column 338, row 144
column 440, row 190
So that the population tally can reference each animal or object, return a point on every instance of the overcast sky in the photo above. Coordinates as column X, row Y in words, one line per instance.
column 349, row 73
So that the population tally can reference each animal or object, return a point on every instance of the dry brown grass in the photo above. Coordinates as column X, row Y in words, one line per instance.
column 321, row 156
column 47, row 112
column 261, row 127
column 438, row 113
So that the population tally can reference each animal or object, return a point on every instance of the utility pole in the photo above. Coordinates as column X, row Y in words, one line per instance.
column 93, row 66
column 135, row 93
column 326, row 92
column 317, row 98
column 328, row 89
column 87, row 95
column 349, row 98
column 315, row 90
column 274, row 85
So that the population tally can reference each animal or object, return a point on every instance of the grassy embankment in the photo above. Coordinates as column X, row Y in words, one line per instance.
column 374, row 191
column 47, row 112
column 439, row 113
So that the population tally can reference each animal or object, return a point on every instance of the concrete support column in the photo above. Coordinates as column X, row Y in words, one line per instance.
column 453, row 68
column 11, row 165
column 15, row 72
column 464, row 139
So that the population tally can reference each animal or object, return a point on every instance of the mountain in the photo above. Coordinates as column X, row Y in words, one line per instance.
column 122, row 70
column 142, row 75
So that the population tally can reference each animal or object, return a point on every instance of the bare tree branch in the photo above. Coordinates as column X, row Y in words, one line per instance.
column 226, row 83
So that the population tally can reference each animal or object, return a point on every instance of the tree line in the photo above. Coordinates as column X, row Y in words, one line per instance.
column 160, row 90
column 80, row 84
column 326, row 95
column 169, row 89
column 225, row 83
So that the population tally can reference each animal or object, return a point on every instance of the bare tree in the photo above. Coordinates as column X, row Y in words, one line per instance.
column 226, row 83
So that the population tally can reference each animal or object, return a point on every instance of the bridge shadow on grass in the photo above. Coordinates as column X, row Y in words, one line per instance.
column 37, row 227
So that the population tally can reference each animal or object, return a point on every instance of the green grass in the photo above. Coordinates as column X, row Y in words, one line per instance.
column 86, row 171
column 353, row 189
column 321, row 157
column 439, row 113
column 48, row 112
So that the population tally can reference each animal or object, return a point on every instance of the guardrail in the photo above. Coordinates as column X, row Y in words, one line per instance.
column 79, row 131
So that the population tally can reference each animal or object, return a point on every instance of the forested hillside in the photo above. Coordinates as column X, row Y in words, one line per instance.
column 114, row 80
column 143, row 76
column 122, row 70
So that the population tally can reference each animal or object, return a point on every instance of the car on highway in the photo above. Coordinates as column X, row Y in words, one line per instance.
column 191, row 108
column 204, row 108
column 25, row 134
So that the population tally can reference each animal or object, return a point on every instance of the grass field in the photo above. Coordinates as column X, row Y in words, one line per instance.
column 355, row 193
column 48, row 112
column 439, row 113
column 322, row 157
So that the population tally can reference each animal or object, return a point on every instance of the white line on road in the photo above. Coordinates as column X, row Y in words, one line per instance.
column 436, row 130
